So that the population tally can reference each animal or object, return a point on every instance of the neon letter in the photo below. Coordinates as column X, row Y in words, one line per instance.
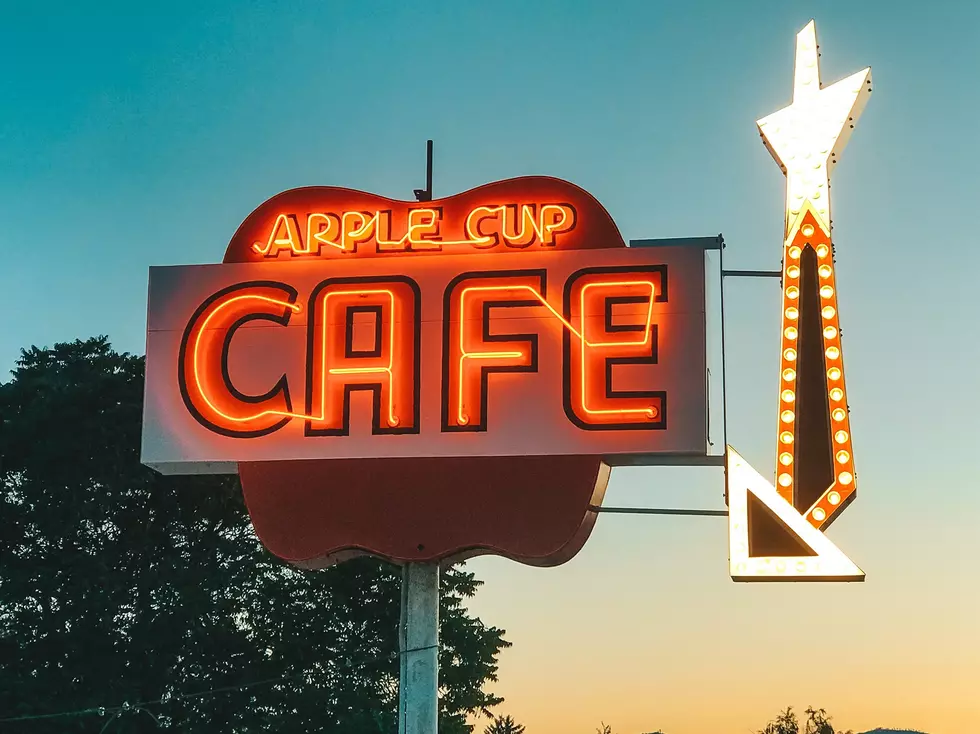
column 322, row 229
column 471, row 352
column 283, row 236
column 203, row 374
column 555, row 219
column 364, row 335
column 423, row 229
column 611, row 311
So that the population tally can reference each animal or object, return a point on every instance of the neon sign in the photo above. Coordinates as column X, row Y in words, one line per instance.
column 514, row 225
column 815, row 476
column 383, row 350
column 363, row 333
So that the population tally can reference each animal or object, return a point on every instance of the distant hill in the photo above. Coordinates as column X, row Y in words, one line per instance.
column 894, row 731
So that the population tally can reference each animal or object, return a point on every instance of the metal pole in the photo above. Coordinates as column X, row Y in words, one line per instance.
column 402, row 646
column 418, row 633
column 419, row 684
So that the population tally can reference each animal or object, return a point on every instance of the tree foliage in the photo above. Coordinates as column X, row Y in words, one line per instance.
column 504, row 725
column 119, row 585
column 817, row 722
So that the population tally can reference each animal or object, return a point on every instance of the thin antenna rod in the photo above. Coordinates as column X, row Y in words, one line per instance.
column 426, row 193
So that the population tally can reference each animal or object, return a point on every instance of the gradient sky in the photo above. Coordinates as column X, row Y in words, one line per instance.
column 133, row 137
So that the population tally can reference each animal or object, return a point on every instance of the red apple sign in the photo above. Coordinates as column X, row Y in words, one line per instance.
column 426, row 381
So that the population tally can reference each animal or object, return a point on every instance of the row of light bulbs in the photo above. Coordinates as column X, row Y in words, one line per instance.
column 838, row 414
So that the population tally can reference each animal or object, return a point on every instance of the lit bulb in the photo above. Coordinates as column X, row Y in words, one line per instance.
column 790, row 332
column 819, row 514
column 828, row 312
column 833, row 352
column 826, row 291
column 790, row 355
column 789, row 374
column 843, row 457
column 836, row 393
column 830, row 332
column 792, row 313
column 792, row 292
column 786, row 437
column 788, row 396
column 792, row 272
column 824, row 271
column 822, row 250
column 787, row 416
column 840, row 437
column 785, row 480
column 794, row 252
column 786, row 459
column 807, row 230
column 845, row 477
column 834, row 498
column 833, row 373
column 838, row 414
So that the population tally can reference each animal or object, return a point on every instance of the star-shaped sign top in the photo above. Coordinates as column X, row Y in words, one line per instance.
column 807, row 138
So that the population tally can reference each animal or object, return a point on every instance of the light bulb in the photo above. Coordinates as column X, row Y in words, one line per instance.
column 822, row 250
column 789, row 374
column 838, row 414
column 843, row 457
column 785, row 480
column 833, row 373
column 826, row 291
column 833, row 352
column 824, row 271
column 828, row 312
column 792, row 292
column 786, row 437
column 845, row 477
column 807, row 230
column 792, row 313
column 840, row 437
column 836, row 393
column 787, row 416
column 788, row 396
column 786, row 458
column 794, row 252
column 792, row 272
column 819, row 514
column 834, row 498
column 790, row 332
column 830, row 332
column 790, row 355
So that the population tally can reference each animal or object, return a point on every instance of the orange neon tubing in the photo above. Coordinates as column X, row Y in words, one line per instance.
column 392, row 418
column 463, row 419
column 294, row 307
column 474, row 238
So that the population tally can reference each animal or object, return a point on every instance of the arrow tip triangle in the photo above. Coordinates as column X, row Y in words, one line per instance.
column 824, row 561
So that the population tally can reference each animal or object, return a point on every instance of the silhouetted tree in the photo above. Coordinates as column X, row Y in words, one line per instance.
column 817, row 722
column 504, row 725
column 120, row 585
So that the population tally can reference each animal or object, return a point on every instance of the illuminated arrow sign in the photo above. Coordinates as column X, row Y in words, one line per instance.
column 775, row 530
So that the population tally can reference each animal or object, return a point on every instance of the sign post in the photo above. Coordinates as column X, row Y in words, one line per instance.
column 418, row 691
column 418, row 634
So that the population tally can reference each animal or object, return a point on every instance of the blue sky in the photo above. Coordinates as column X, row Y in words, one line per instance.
column 133, row 136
